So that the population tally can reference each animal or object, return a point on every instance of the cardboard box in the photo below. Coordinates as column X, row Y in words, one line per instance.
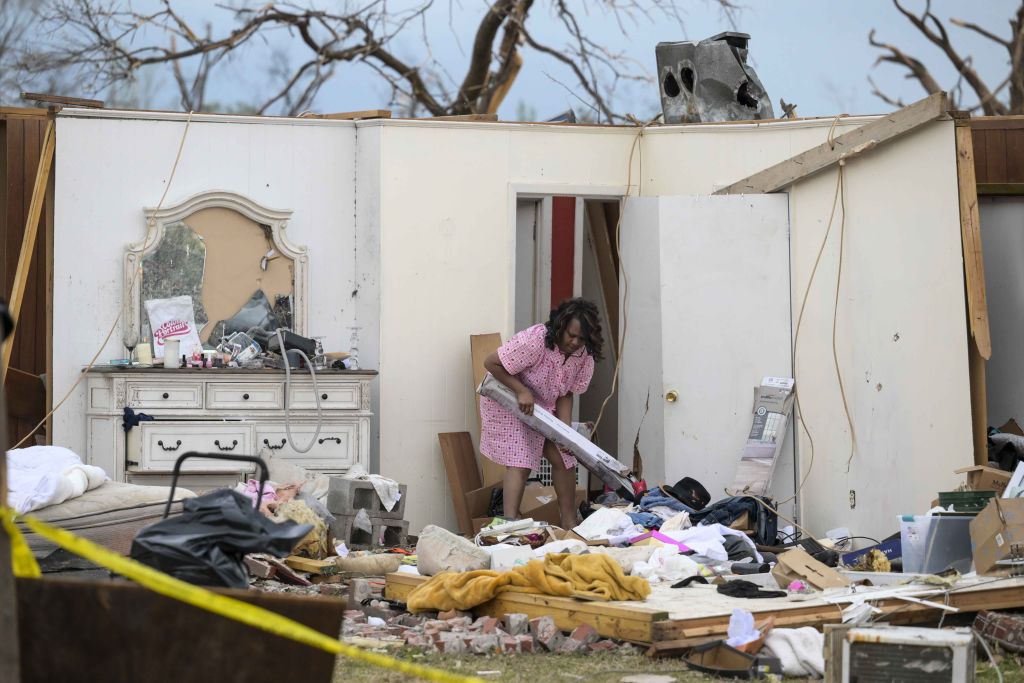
column 539, row 503
column 996, row 534
column 773, row 402
column 797, row 565
column 980, row 478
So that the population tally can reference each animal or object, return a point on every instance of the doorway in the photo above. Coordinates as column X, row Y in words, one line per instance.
column 564, row 248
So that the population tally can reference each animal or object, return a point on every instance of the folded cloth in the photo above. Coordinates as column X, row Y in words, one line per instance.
column 799, row 650
column 657, row 498
column 594, row 577
column 646, row 519
column 40, row 476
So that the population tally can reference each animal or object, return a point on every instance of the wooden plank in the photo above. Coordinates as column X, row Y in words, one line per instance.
column 1000, row 189
column 481, row 346
column 23, row 353
column 28, row 240
column 23, row 113
column 114, row 631
column 1015, row 156
column 893, row 610
column 48, row 304
column 354, row 115
column 611, row 620
column 979, row 402
column 60, row 99
column 10, row 657
column 605, row 266
column 1015, row 122
column 463, row 474
column 868, row 136
column 970, row 233
column 995, row 156
column 466, row 117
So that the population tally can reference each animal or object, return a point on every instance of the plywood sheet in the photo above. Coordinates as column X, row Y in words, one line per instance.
column 481, row 346
column 669, row 614
column 235, row 245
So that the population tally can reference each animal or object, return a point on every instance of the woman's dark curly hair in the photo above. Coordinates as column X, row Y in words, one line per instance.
column 590, row 325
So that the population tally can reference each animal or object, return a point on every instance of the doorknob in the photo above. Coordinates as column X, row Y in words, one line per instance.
column 672, row 396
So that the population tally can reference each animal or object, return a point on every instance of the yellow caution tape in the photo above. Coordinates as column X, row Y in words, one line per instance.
column 231, row 608
column 23, row 562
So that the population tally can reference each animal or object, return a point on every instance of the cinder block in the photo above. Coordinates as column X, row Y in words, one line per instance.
column 385, row 533
column 349, row 496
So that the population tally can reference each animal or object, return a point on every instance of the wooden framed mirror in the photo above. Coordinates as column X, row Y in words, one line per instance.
column 222, row 249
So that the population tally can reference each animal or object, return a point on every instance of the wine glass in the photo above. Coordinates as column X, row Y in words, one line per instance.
column 130, row 339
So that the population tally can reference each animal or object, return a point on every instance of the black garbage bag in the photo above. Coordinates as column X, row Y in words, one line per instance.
column 205, row 544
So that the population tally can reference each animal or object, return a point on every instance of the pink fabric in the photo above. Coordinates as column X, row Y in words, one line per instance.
column 549, row 375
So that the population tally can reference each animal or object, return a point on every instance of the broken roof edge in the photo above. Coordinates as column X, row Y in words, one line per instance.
column 252, row 119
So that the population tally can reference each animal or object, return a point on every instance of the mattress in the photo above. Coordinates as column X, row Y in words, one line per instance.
column 109, row 515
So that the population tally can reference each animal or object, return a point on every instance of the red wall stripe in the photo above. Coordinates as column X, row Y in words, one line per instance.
column 563, row 248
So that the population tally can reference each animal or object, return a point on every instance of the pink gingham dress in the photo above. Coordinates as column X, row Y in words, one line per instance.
column 549, row 375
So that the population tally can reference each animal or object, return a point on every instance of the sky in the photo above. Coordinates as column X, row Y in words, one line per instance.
column 814, row 53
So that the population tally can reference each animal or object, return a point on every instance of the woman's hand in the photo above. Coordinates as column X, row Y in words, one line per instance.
column 525, row 401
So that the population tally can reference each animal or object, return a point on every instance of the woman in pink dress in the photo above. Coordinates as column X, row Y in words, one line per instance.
column 545, row 365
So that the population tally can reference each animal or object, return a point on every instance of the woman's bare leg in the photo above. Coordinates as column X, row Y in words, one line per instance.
column 565, row 485
column 514, row 484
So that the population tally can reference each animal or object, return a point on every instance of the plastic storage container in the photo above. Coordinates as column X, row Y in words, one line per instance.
column 932, row 544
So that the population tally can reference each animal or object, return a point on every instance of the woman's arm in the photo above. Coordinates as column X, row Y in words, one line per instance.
column 563, row 409
column 525, row 397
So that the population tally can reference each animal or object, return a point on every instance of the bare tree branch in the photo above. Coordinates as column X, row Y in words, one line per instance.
column 929, row 25
column 105, row 42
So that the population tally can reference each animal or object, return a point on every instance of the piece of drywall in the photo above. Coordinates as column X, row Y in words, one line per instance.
column 1002, row 235
column 235, row 247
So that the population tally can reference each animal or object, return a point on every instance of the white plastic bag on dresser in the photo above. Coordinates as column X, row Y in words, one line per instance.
column 174, row 317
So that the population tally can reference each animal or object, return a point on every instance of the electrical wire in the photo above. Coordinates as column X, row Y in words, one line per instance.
column 287, row 392
column 131, row 285
column 618, row 250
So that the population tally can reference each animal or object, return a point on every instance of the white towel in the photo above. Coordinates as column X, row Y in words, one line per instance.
column 387, row 489
column 40, row 476
column 801, row 650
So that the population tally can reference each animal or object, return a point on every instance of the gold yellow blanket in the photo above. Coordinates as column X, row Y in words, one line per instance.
column 592, row 577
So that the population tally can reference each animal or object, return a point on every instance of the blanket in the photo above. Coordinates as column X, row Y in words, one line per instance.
column 592, row 577
column 41, row 476
column 799, row 650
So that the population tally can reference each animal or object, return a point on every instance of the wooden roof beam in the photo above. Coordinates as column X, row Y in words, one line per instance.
column 783, row 174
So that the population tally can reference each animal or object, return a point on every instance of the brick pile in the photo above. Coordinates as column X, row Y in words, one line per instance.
column 458, row 633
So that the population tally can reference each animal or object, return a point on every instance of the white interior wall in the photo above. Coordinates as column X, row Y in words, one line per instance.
column 108, row 168
column 1002, row 237
column 448, row 267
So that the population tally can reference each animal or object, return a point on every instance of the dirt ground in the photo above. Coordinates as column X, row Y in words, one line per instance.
column 594, row 668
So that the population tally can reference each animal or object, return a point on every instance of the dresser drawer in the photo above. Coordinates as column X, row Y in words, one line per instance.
column 155, row 446
column 164, row 395
column 336, row 448
column 333, row 395
column 242, row 395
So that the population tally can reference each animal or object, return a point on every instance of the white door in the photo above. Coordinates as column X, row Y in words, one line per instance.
column 719, row 308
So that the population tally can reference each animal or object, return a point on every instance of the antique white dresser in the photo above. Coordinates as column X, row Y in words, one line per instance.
column 236, row 411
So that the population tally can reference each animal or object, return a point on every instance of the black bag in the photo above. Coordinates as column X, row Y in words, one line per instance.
column 205, row 544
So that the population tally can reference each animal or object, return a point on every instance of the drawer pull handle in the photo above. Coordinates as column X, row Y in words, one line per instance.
column 330, row 438
column 266, row 442
column 166, row 395
column 245, row 397
column 234, row 444
column 323, row 397
column 169, row 448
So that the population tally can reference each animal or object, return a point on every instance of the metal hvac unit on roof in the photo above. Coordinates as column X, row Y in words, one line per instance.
column 899, row 653
column 710, row 80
